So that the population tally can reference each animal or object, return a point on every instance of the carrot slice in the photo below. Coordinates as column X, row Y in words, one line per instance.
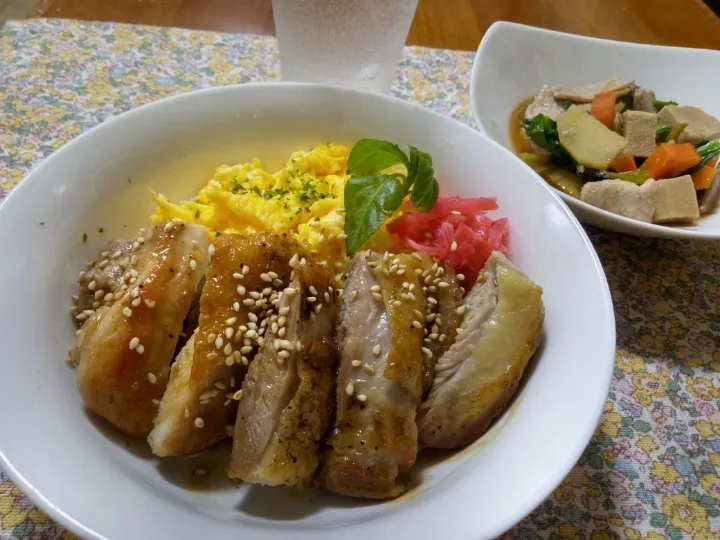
column 603, row 107
column 703, row 178
column 623, row 163
column 670, row 160
column 713, row 162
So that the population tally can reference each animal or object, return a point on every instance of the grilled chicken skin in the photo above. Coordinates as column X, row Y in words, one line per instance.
column 479, row 374
column 241, row 285
column 286, row 400
column 443, row 301
column 124, row 350
column 374, row 441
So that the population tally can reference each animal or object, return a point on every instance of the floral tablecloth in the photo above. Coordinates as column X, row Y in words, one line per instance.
column 651, row 470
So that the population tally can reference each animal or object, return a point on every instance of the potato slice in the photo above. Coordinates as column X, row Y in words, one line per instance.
column 587, row 139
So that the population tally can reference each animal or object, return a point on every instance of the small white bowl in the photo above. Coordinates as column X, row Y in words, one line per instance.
column 514, row 61
column 99, row 486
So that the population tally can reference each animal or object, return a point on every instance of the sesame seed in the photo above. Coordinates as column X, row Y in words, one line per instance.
column 136, row 302
column 134, row 342
column 273, row 275
column 255, row 295
column 245, row 269
column 199, row 422
column 91, row 286
column 354, row 294
column 237, row 396
column 229, row 331
column 152, row 379
column 265, row 277
column 168, row 225
column 376, row 349
column 443, row 284
column 261, row 341
column 461, row 277
column 211, row 251
column 252, row 317
column 417, row 324
column 401, row 272
column 427, row 352
column 362, row 397
column 136, row 245
column 350, row 388
column 248, row 302
column 208, row 394
column 294, row 261
column 228, row 349
column 261, row 302
column 313, row 290
column 396, row 303
column 284, row 354
column 432, row 300
column 218, row 342
column 281, row 332
column 418, row 313
column 193, row 264
column 134, row 273
column 127, row 311
column 442, row 338
column 377, row 296
column 140, row 349
column 117, row 254
column 245, row 361
column 375, row 288
column 326, row 296
column 310, row 299
column 290, row 291
column 236, row 306
column 229, row 360
column 231, row 320
column 211, row 355
column 369, row 369
column 356, row 363
column 460, row 310
column 238, row 275
column 240, row 290
column 267, row 291
column 150, row 303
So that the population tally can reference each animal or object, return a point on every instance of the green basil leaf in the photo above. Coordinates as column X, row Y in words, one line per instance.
column 368, row 200
column 421, row 177
column 370, row 156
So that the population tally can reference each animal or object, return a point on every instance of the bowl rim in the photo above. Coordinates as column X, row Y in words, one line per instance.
column 644, row 229
column 605, row 306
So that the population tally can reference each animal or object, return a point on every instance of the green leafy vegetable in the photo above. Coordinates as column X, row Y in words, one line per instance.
column 638, row 177
column 369, row 156
column 662, row 130
column 707, row 151
column 371, row 195
column 542, row 130
column 368, row 200
column 660, row 104
column 675, row 132
column 567, row 104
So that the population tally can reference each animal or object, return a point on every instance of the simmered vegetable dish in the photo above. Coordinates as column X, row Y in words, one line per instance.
column 615, row 146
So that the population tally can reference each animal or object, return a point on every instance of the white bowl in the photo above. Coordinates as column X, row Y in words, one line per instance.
column 514, row 61
column 99, row 486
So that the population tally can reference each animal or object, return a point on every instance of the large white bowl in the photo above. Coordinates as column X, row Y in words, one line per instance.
column 514, row 61
column 98, row 485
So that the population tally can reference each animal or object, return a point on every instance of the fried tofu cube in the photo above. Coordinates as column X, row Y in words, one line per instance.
column 622, row 198
column 700, row 125
column 639, row 130
column 676, row 201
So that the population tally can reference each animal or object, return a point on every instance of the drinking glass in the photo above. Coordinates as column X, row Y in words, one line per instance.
column 355, row 43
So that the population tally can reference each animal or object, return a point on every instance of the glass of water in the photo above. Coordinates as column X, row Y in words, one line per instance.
column 354, row 43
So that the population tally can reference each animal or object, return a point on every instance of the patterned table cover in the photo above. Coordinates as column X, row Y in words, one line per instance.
column 651, row 470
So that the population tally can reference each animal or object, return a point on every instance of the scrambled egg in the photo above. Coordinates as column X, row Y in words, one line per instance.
column 304, row 198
